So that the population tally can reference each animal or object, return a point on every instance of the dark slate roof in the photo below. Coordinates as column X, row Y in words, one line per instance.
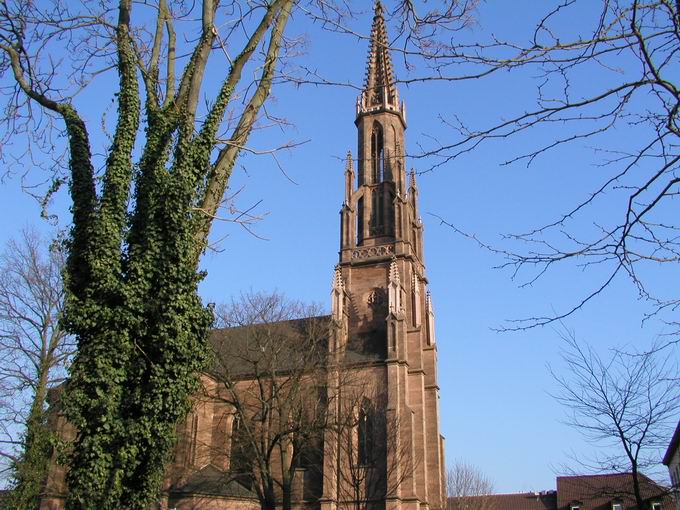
column 519, row 501
column 211, row 481
column 238, row 349
column 673, row 445
column 596, row 492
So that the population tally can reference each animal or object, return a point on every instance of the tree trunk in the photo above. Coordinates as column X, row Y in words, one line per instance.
column 31, row 468
column 287, row 489
column 636, row 486
column 269, row 500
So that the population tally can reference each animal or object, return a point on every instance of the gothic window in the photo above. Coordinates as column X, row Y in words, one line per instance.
column 360, row 221
column 365, row 433
column 377, row 212
column 235, row 426
column 234, row 440
column 377, row 153
column 361, row 172
column 190, row 448
column 391, row 171
column 381, row 209
column 400, row 177
column 390, row 212
column 240, row 453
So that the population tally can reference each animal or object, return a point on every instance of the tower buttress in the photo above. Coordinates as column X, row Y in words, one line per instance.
column 383, row 320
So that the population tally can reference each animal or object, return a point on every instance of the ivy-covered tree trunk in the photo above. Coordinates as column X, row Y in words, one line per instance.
column 34, row 353
column 30, row 470
column 134, row 249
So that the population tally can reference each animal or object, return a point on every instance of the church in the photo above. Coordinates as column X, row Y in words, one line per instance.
column 381, row 331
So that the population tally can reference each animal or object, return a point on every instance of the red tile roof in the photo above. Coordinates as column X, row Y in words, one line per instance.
column 520, row 501
column 597, row 492
column 592, row 492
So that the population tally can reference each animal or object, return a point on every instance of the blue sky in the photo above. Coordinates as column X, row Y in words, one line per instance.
column 496, row 408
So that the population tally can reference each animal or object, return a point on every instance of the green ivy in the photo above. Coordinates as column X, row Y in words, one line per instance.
column 132, row 280
column 30, row 471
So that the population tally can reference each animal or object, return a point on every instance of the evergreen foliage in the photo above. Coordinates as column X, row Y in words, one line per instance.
column 30, row 471
column 133, row 253
column 34, row 355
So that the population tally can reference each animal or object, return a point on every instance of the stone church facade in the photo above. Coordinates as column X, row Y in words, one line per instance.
column 381, row 330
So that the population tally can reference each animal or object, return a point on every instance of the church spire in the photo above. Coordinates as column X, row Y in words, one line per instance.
column 380, row 91
column 382, row 315
column 377, row 212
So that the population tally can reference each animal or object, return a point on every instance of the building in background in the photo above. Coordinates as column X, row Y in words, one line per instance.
column 672, row 461
column 585, row 492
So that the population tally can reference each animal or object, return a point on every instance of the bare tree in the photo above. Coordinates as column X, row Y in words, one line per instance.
column 138, row 232
column 627, row 403
column 371, row 459
column 144, row 203
column 629, row 114
column 34, row 354
column 467, row 488
column 270, row 372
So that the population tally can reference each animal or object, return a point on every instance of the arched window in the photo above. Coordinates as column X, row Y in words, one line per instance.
column 392, row 159
column 390, row 219
column 235, row 431
column 360, row 221
column 236, row 425
column 377, row 153
column 365, row 433
column 191, row 444
column 377, row 212
column 240, row 461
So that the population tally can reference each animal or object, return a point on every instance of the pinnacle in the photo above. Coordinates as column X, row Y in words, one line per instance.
column 379, row 89
column 348, row 161
column 378, row 8
column 337, row 278
column 394, row 272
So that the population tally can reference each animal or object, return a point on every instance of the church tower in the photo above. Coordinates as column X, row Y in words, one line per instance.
column 382, row 312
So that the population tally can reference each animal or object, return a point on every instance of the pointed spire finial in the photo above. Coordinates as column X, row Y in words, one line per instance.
column 338, row 283
column 394, row 271
column 349, row 178
column 429, row 310
column 338, row 295
column 394, row 290
column 379, row 90
column 378, row 8
column 412, row 179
